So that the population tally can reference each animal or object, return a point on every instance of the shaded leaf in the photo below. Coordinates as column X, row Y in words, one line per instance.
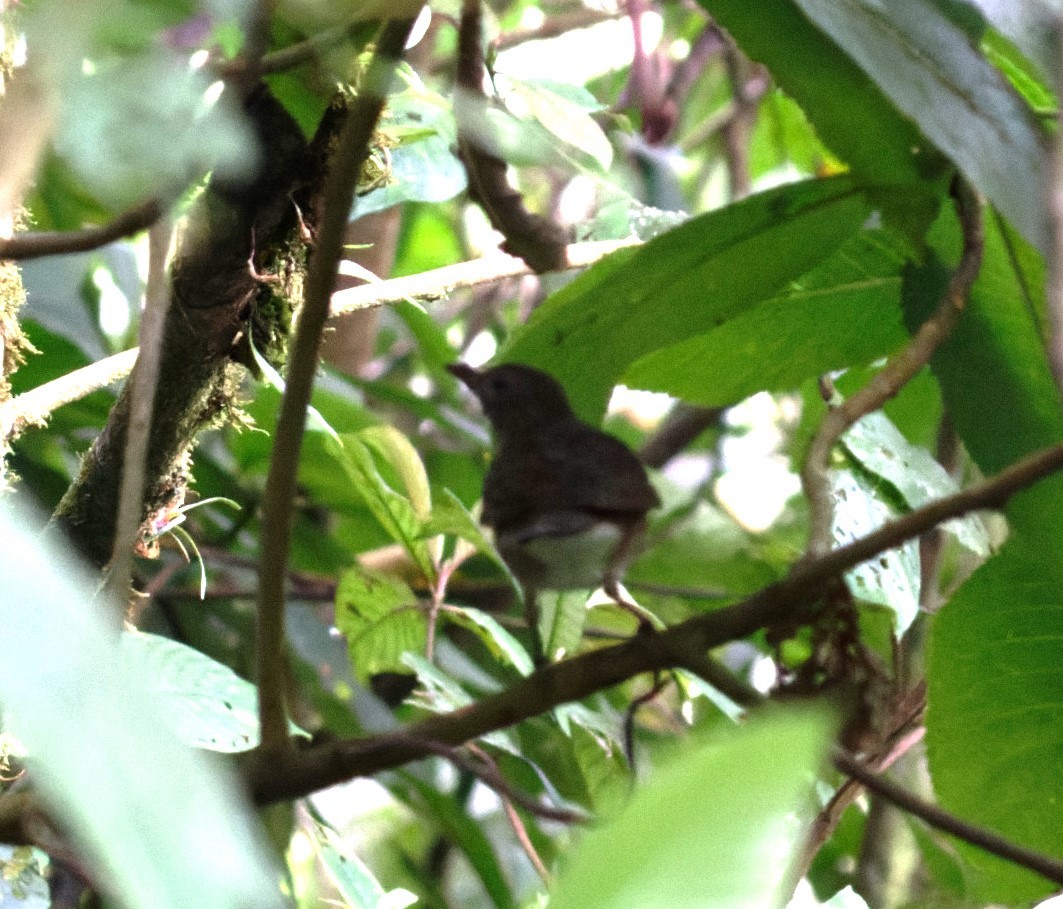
column 995, row 724
column 682, row 284
column 356, row 884
column 892, row 578
column 844, row 312
column 928, row 66
column 882, row 451
column 499, row 641
column 450, row 516
column 396, row 514
column 209, row 704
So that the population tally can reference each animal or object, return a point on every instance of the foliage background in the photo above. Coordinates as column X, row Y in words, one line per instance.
column 782, row 180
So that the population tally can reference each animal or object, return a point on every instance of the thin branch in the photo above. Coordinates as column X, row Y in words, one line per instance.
column 54, row 243
column 938, row 817
column 815, row 475
column 142, row 405
column 33, row 407
column 440, row 282
column 681, row 427
column 351, row 151
column 301, row 773
column 556, row 25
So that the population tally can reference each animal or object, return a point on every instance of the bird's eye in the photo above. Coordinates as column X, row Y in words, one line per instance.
column 499, row 384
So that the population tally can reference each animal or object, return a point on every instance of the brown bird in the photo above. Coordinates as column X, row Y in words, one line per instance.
column 567, row 502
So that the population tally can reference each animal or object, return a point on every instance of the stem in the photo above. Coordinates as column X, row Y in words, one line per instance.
column 53, row 243
column 938, row 817
column 144, row 385
column 901, row 368
column 279, row 493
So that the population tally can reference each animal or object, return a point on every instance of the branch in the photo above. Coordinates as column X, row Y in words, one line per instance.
column 142, row 404
column 815, row 475
column 351, row 151
column 32, row 408
column 441, row 282
column 297, row 774
column 938, row 817
column 53, row 243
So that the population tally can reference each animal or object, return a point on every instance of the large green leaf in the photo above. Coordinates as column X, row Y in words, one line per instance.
column 103, row 751
column 844, row 312
column 714, row 829
column 995, row 726
column 928, row 66
column 994, row 650
column 834, row 92
column 683, row 283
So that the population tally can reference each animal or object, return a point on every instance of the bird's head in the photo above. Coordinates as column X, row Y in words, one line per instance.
column 516, row 398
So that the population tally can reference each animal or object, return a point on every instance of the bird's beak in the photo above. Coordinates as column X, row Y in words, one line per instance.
column 466, row 373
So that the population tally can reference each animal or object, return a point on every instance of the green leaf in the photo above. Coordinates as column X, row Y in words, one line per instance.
column 995, row 725
column 209, row 704
column 566, row 119
column 833, row 91
column 468, row 835
column 357, row 886
column 103, row 747
column 380, row 617
column 892, row 578
column 396, row 514
column 910, row 469
column 450, row 516
column 499, row 641
column 927, row 65
column 562, row 617
column 396, row 449
column 419, row 137
column 682, row 284
column 992, row 370
column 668, row 852
column 844, row 312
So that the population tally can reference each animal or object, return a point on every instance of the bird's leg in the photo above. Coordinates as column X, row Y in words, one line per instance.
column 614, row 572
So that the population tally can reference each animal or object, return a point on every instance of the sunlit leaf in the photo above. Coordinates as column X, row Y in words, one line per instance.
column 381, row 619
column 667, row 852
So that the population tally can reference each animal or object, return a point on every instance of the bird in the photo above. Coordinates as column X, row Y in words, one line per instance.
column 567, row 502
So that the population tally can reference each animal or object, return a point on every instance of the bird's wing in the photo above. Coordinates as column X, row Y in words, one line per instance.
column 599, row 472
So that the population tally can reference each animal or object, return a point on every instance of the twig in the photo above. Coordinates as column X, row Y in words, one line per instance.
column 53, row 243
column 142, row 404
column 938, row 817
column 555, row 25
column 515, row 821
column 301, row 773
column 32, row 408
column 815, row 475
column 351, row 151
column 439, row 282
column 681, row 427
